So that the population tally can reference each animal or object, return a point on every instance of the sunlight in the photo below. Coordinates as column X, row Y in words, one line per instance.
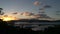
column 8, row 18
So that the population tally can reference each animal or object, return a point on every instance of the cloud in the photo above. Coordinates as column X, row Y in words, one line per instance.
column 47, row 6
column 36, row 3
column 5, row 15
column 15, row 13
column 37, row 15
column 26, row 14
column 41, row 10
column 32, row 15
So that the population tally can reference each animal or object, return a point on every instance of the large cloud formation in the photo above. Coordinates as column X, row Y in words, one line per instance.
column 28, row 15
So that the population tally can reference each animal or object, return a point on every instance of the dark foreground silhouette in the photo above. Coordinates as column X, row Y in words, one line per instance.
column 9, row 29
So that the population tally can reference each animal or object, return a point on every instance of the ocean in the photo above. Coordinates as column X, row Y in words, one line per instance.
column 35, row 25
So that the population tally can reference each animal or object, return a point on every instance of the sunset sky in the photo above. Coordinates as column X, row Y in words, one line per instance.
column 10, row 6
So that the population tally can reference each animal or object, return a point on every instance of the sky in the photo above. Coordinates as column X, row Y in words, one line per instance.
column 31, row 6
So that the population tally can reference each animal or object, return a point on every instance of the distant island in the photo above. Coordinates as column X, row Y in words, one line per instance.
column 33, row 20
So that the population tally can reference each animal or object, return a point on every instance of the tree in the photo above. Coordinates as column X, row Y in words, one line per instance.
column 1, row 13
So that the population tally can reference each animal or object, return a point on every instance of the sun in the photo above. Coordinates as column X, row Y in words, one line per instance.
column 8, row 18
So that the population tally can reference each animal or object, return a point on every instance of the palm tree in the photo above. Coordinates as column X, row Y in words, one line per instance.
column 1, row 12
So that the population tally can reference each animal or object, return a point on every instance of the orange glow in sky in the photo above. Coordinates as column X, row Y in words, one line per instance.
column 8, row 18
